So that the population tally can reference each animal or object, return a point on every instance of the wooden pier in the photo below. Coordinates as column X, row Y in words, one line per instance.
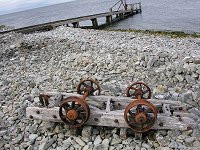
column 111, row 17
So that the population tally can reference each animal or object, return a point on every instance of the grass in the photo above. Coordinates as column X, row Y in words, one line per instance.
column 173, row 34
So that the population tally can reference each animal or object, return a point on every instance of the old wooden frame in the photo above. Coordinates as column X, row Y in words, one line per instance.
column 102, row 114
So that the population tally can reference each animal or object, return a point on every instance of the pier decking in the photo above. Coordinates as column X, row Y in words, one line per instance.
column 111, row 17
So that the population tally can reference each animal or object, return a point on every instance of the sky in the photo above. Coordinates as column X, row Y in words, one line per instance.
column 10, row 6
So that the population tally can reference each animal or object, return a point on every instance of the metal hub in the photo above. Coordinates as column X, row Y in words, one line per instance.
column 72, row 114
column 141, row 118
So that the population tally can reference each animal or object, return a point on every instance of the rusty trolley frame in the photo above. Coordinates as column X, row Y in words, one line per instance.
column 135, row 111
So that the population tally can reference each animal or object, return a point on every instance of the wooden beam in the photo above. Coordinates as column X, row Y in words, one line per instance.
column 103, row 118
column 122, row 102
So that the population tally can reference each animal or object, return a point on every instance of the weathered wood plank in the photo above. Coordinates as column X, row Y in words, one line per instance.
column 102, row 98
column 122, row 102
column 112, row 118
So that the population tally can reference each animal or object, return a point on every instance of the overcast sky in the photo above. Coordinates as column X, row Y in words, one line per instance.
column 10, row 6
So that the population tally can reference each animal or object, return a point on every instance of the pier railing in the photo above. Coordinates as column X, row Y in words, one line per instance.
column 122, row 5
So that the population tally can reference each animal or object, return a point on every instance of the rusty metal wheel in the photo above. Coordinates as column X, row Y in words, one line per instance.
column 140, row 115
column 90, row 86
column 74, row 111
column 44, row 99
column 138, row 89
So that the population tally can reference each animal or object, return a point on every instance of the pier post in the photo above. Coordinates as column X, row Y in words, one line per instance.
column 108, row 19
column 140, row 8
column 95, row 23
column 121, row 16
column 75, row 24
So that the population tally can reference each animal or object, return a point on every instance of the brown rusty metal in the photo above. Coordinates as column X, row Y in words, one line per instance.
column 74, row 111
column 44, row 99
column 90, row 86
column 140, row 115
column 138, row 89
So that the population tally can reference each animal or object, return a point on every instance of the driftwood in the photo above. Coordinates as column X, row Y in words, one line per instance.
column 109, row 111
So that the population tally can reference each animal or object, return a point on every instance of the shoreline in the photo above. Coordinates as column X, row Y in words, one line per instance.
column 56, row 60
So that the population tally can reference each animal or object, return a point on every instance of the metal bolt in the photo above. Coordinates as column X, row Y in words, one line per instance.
column 161, row 124
column 180, row 108
column 116, row 121
column 189, row 128
column 180, row 119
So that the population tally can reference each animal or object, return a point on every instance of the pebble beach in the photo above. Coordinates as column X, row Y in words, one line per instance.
column 56, row 60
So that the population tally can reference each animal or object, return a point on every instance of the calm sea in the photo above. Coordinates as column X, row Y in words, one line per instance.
column 175, row 15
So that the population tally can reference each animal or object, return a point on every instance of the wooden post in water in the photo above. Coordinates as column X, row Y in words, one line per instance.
column 75, row 24
column 121, row 16
column 94, row 23
column 108, row 19
column 140, row 7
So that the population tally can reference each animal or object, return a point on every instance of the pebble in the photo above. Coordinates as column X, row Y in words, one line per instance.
column 97, row 140
column 32, row 137
column 46, row 144
column 79, row 141
column 87, row 131
column 189, row 140
column 55, row 60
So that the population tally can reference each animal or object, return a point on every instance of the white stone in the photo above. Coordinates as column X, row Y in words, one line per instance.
column 97, row 140
column 79, row 141
column 179, row 77
column 33, row 137
column 189, row 140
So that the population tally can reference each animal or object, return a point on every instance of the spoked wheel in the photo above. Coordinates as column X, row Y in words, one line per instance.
column 90, row 86
column 140, row 115
column 138, row 89
column 74, row 112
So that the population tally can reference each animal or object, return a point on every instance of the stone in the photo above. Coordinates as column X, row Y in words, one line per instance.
column 86, row 147
column 7, row 146
column 173, row 144
column 79, row 141
column 67, row 143
column 189, row 140
column 161, row 140
column 115, row 141
column 179, row 78
column 87, row 131
column 151, row 61
column 45, row 144
column 195, row 111
column 97, row 140
column 32, row 137
column 95, row 131
column 147, row 146
column 164, row 148
column 100, row 147
column 196, row 59
column 187, row 96
column 3, row 132
column 106, row 142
